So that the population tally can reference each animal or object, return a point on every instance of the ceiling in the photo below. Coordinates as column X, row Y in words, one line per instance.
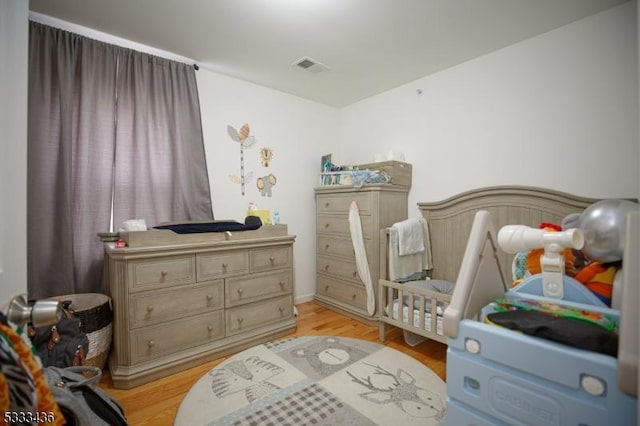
column 368, row 46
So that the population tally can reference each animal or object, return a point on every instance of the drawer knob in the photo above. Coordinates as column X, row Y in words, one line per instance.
column 327, row 204
column 240, row 291
column 326, row 246
column 272, row 259
column 326, row 288
column 326, row 267
column 281, row 309
column 282, row 284
column 151, row 344
column 210, row 328
column 240, row 322
column 354, row 296
column 225, row 265
column 355, row 273
column 150, row 308
column 326, row 225
column 164, row 273
column 209, row 297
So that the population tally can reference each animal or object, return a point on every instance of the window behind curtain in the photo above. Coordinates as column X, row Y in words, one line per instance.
column 95, row 110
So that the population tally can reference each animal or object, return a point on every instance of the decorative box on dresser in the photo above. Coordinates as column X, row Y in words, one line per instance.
column 338, row 284
column 180, row 300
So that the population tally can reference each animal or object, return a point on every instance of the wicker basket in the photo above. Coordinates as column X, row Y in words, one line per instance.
column 96, row 318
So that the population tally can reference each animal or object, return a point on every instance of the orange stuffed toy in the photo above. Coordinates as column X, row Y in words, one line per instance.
column 598, row 278
column 532, row 262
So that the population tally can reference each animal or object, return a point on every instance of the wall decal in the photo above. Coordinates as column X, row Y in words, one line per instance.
column 266, row 154
column 265, row 183
column 246, row 141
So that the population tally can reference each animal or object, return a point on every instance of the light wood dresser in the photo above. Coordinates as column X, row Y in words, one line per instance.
column 338, row 284
column 180, row 300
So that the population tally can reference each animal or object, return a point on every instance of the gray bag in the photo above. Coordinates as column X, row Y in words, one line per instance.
column 81, row 400
column 63, row 344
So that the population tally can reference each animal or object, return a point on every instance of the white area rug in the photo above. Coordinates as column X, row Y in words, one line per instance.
column 316, row 380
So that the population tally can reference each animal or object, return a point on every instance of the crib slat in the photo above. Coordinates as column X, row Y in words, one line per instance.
column 434, row 315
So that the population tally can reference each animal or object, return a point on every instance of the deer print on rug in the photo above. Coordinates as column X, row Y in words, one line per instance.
column 401, row 390
column 249, row 375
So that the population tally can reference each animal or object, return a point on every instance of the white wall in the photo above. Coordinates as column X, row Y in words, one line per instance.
column 298, row 131
column 13, row 148
column 559, row 110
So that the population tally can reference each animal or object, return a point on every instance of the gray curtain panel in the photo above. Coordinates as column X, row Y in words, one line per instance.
column 109, row 128
column 71, row 138
column 160, row 168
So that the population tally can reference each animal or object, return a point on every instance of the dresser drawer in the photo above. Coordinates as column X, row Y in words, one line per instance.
column 339, row 268
column 161, row 272
column 168, row 338
column 352, row 295
column 250, row 288
column 248, row 317
column 340, row 246
column 339, row 225
column 270, row 258
column 339, row 203
column 222, row 264
column 154, row 307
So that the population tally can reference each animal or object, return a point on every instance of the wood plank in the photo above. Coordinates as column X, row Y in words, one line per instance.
column 157, row 402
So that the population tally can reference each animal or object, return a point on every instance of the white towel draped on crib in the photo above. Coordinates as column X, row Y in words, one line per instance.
column 410, row 236
column 402, row 266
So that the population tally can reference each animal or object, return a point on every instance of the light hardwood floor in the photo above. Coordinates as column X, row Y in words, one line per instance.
column 156, row 403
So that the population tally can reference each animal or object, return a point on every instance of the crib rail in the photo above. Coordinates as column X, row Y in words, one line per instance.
column 425, row 320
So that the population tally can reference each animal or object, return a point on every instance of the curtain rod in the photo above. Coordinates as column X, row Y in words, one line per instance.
column 107, row 38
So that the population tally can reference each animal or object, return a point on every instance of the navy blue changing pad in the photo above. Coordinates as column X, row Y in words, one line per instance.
column 251, row 223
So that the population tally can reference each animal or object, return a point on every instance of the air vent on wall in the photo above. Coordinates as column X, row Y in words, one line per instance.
column 310, row 65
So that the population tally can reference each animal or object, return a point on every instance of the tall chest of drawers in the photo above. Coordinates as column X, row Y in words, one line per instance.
column 338, row 284
column 177, row 305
